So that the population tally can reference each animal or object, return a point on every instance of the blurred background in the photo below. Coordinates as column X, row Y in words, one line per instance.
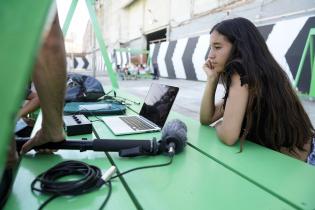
column 174, row 34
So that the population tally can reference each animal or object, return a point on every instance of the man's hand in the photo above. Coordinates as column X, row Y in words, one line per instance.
column 41, row 137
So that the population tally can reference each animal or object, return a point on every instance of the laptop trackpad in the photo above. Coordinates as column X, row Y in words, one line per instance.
column 117, row 125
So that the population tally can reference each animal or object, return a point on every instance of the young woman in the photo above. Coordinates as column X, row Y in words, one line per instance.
column 260, row 104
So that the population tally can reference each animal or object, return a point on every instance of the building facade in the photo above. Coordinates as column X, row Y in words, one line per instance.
column 138, row 23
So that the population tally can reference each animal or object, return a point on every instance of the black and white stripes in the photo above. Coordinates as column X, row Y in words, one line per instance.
column 121, row 58
column 286, row 40
column 85, row 62
column 183, row 58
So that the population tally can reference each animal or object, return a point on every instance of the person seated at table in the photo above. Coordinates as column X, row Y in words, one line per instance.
column 31, row 104
column 259, row 104
column 126, row 71
column 120, row 72
column 25, row 124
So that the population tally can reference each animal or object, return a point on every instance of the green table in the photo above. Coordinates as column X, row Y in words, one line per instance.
column 206, row 175
column 286, row 178
column 282, row 176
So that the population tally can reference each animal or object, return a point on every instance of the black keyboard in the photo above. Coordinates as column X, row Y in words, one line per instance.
column 136, row 123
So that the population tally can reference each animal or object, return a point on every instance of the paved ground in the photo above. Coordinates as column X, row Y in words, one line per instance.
column 189, row 96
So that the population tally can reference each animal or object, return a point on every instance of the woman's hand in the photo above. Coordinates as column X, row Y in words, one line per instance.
column 209, row 69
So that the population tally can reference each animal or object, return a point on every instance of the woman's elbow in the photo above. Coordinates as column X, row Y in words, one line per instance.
column 227, row 139
column 228, row 142
column 204, row 121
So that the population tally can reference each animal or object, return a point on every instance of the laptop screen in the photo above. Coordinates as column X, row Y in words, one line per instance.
column 158, row 103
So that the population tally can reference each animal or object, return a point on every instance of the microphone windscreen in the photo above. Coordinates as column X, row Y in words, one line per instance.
column 175, row 131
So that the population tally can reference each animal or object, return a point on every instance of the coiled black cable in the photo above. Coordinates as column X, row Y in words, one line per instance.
column 49, row 182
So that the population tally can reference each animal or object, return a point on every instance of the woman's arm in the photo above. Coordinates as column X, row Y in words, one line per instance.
column 209, row 112
column 229, row 130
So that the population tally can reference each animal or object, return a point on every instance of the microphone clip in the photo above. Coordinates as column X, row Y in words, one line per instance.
column 131, row 152
column 139, row 150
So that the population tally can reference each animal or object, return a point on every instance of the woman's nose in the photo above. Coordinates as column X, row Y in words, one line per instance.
column 211, row 55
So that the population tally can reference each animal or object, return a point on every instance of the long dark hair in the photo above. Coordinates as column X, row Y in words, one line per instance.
column 274, row 115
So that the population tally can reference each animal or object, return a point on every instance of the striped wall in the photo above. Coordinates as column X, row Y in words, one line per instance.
column 86, row 61
column 286, row 40
column 79, row 62
column 121, row 58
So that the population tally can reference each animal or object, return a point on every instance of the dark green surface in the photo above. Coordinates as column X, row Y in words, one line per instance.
column 20, row 37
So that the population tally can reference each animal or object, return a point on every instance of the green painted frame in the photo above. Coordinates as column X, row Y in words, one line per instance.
column 309, row 45
column 98, row 34
column 70, row 13
column 21, row 34
column 101, row 43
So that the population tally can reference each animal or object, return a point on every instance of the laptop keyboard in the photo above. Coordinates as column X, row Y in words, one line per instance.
column 136, row 123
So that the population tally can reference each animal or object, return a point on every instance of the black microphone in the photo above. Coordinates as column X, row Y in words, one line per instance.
column 173, row 141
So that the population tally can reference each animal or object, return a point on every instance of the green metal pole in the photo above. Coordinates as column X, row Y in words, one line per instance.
column 312, row 50
column 148, row 60
column 22, row 24
column 70, row 13
column 298, row 74
column 312, row 87
column 101, row 43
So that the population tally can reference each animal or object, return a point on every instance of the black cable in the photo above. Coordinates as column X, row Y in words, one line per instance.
column 49, row 181
column 108, row 194
column 47, row 201
column 126, row 99
column 115, row 97
column 91, row 180
column 143, row 167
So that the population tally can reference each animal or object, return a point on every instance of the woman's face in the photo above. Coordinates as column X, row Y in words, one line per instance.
column 220, row 50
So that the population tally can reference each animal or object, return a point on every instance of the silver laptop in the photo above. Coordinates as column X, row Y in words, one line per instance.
column 153, row 114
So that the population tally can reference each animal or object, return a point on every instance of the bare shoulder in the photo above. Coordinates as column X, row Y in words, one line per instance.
column 236, row 81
